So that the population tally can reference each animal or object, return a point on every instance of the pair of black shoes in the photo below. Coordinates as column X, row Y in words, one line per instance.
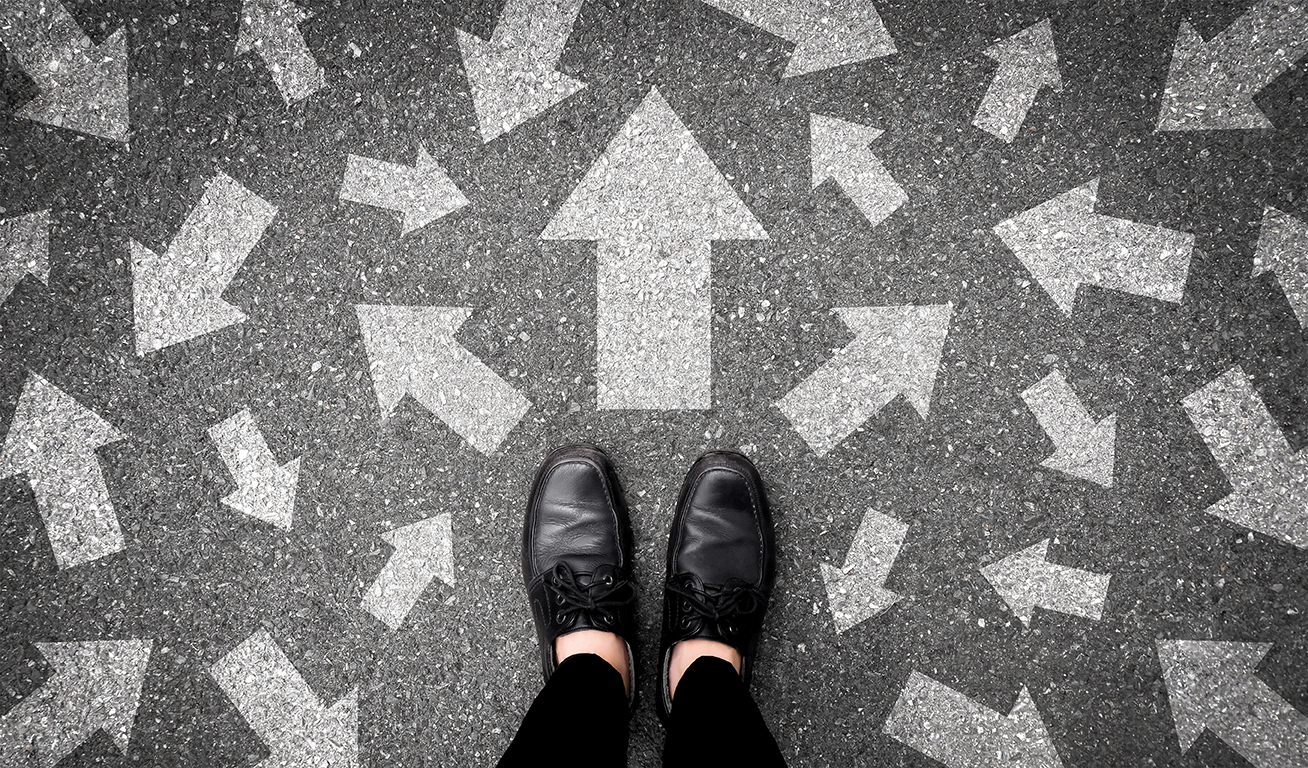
column 577, row 553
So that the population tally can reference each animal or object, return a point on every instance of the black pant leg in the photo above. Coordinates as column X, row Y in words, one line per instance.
column 580, row 717
column 716, row 723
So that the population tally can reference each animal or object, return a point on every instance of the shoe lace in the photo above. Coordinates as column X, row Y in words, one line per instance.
column 604, row 594
column 718, row 604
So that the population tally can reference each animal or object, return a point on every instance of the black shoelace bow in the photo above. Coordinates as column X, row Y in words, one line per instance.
column 604, row 595
column 723, row 605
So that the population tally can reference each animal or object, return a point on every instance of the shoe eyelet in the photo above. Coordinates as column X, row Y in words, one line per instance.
column 685, row 622
column 559, row 617
column 608, row 579
column 685, row 605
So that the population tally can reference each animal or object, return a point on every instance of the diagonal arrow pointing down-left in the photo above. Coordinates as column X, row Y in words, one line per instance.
column 83, row 87
column 53, row 441
column 857, row 591
column 96, row 686
column 271, row 27
column 423, row 551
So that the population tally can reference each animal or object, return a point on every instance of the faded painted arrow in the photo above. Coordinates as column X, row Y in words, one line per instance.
column 279, row 705
column 1214, row 686
column 53, row 440
column 271, row 28
column 177, row 295
column 1212, row 85
column 423, row 551
column 423, row 193
column 947, row 726
column 655, row 202
column 1268, row 479
column 514, row 76
column 840, row 152
column 1064, row 243
column 1027, row 579
column 895, row 351
column 1028, row 62
column 413, row 350
column 826, row 33
column 24, row 250
column 856, row 592
column 265, row 489
column 1283, row 251
column 83, row 87
column 1083, row 447
column 96, row 686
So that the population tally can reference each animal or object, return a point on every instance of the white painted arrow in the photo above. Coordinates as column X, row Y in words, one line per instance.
column 279, row 705
column 1028, row 62
column 1283, row 251
column 1212, row 85
column 24, row 250
column 826, row 33
column 413, row 350
column 423, row 192
column 271, row 28
column 53, row 440
column 177, row 295
column 840, row 152
column 513, row 76
column 1268, row 479
column 1083, row 447
column 856, row 592
column 265, row 489
column 1214, row 686
column 1064, row 243
column 423, row 551
column 655, row 201
column 895, row 351
column 96, row 686
column 83, row 87
column 947, row 726
column 1027, row 579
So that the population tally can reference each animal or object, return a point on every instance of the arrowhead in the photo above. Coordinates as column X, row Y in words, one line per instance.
column 430, row 540
column 433, row 195
column 268, row 496
column 263, row 19
column 1200, row 677
column 654, row 183
column 1013, row 576
column 903, row 345
column 509, row 85
column 24, row 250
column 856, row 592
column 1090, row 456
column 1200, row 95
column 162, row 316
column 1033, row 51
column 101, row 681
column 48, row 427
column 394, row 337
column 1037, row 233
column 851, row 599
column 837, row 145
column 1283, row 250
column 835, row 37
column 85, row 89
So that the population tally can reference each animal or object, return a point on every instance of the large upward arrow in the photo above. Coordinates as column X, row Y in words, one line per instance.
column 1027, row 579
column 96, row 686
column 513, row 77
column 947, row 726
column 177, row 295
column 1027, row 63
column 840, row 152
column 279, row 705
column 826, row 33
column 271, row 28
column 857, row 591
column 655, row 201
column 1214, row 685
column 83, row 87
column 1265, row 473
column 895, row 351
column 53, row 441
column 265, row 489
column 413, row 350
column 422, row 193
column 1064, row 243
column 1283, row 251
column 24, row 250
column 1212, row 85
column 423, row 551
column 1083, row 447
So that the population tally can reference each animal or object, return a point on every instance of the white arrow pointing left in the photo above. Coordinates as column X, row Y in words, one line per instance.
column 178, row 295
column 1027, row 63
column 96, row 686
column 1027, row 579
column 1083, row 447
column 24, row 250
column 840, row 152
column 52, row 440
column 423, row 551
column 826, row 33
column 265, row 489
column 423, row 192
column 83, row 87
column 1283, row 251
column 279, row 705
column 857, row 592
column 271, row 28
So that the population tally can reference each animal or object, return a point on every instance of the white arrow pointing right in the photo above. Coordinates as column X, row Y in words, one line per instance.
column 840, row 152
column 826, row 33
column 1283, row 251
column 1027, row 579
column 423, row 193
column 857, row 592
column 24, row 250
column 423, row 551
column 1082, row 447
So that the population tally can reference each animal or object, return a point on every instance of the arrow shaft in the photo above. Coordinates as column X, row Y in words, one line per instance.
column 1071, row 590
column 380, row 184
column 37, row 32
column 225, row 225
column 873, row 190
column 1007, row 100
column 266, row 688
column 466, row 394
column 78, row 514
column 1058, row 410
column 1263, row 42
column 241, row 446
column 537, row 29
column 57, row 719
column 275, row 34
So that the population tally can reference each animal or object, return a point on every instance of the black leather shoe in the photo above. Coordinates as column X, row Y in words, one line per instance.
column 576, row 553
column 721, row 563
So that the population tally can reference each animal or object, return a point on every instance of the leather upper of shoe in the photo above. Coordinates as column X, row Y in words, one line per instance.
column 721, row 561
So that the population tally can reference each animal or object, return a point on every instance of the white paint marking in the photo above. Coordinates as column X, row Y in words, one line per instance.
column 856, row 592
column 1028, row 62
column 1283, row 251
column 840, row 152
column 1027, row 579
column 423, row 551
column 1269, row 481
column 265, row 489
column 271, row 29
column 423, row 192
column 24, row 250
column 895, row 351
column 1083, row 447
column 826, row 33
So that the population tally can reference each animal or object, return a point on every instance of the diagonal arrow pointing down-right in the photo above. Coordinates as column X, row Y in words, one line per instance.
column 1082, row 447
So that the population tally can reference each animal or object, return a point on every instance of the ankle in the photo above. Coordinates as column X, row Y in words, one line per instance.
column 605, row 645
column 687, row 652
